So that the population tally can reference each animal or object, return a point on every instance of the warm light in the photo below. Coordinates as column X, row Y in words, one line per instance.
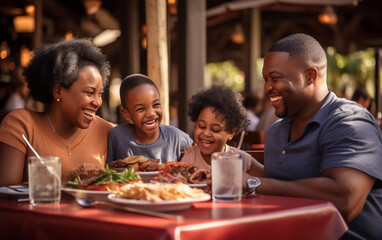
column 3, row 54
column 92, row 6
column 238, row 36
column 25, row 55
column 30, row 10
column 144, row 43
column 68, row 35
column 106, row 37
column 23, row 23
column 328, row 16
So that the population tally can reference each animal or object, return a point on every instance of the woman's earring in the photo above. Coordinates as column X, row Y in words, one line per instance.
column 58, row 99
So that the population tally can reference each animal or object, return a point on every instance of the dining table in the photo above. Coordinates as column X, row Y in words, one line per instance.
column 254, row 217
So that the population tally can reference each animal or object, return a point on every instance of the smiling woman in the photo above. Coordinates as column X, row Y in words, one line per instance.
column 69, row 78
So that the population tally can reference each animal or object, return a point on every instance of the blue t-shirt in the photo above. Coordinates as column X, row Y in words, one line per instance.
column 168, row 148
column 341, row 134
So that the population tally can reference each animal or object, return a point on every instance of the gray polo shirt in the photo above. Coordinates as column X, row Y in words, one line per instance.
column 341, row 134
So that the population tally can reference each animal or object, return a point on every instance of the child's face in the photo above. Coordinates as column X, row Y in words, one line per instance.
column 209, row 133
column 143, row 108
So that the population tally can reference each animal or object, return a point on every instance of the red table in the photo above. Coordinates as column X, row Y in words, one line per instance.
column 258, row 217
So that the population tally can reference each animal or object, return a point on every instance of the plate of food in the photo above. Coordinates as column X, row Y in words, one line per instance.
column 197, row 185
column 159, row 197
column 173, row 172
column 97, row 187
column 145, row 168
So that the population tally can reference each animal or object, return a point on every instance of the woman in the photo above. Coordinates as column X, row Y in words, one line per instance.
column 69, row 78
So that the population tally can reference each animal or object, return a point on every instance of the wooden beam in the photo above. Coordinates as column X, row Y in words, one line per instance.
column 157, row 51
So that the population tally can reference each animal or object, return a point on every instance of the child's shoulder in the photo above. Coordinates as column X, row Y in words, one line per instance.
column 171, row 130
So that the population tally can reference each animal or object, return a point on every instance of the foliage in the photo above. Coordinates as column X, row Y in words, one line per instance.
column 347, row 72
column 225, row 74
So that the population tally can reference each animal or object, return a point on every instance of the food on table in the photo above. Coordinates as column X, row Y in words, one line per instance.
column 138, row 163
column 158, row 192
column 87, row 170
column 199, row 176
column 109, row 180
column 171, row 172
column 150, row 165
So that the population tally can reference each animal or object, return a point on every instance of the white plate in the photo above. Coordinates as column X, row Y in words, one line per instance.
column 197, row 185
column 24, row 190
column 91, row 195
column 162, row 206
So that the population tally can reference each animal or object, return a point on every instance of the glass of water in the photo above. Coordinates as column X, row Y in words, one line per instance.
column 44, row 180
column 227, row 174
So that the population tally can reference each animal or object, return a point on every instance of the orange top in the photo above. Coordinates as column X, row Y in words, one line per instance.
column 88, row 145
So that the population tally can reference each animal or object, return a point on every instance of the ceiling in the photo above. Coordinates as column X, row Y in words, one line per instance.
column 358, row 27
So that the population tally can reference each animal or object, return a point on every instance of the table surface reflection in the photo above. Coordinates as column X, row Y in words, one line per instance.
column 260, row 217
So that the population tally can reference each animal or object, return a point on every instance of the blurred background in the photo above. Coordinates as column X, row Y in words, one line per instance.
column 194, row 44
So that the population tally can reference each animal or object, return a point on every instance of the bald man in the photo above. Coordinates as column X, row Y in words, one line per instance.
column 324, row 147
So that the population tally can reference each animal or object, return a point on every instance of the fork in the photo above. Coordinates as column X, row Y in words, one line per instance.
column 14, row 189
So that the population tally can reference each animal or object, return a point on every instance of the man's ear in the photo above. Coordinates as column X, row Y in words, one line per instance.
column 126, row 115
column 311, row 75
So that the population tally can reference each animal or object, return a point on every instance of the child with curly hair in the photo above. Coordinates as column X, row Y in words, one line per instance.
column 143, row 135
column 218, row 114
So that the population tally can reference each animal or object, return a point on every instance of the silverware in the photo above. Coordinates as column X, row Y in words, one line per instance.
column 23, row 199
column 86, row 204
column 14, row 189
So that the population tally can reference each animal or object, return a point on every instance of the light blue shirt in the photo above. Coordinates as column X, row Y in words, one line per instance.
column 341, row 134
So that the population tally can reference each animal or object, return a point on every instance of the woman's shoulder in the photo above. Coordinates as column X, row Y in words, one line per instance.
column 21, row 115
column 100, row 122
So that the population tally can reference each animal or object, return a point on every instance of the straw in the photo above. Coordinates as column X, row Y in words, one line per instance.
column 241, row 139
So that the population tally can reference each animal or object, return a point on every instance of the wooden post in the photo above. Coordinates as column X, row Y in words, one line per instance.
column 157, row 52
column 192, row 55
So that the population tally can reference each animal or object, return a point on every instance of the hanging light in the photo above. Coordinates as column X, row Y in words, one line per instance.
column 92, row 6
column 24, row 24
column 328, row 16
column 237, row 36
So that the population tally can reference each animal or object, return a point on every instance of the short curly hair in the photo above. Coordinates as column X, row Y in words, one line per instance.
column 224, row 102
column 132, row 81
column 60, row 63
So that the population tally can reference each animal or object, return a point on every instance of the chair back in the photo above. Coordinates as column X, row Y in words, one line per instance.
column 250, row 138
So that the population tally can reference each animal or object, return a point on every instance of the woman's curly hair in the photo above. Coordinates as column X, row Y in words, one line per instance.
column 60, row 63
column 224, row 102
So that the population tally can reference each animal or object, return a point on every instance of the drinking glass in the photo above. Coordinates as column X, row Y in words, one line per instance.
column 227, row 174
column 44, row 180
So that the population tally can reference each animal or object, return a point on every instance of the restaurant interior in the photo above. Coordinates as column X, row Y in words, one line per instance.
column 234, row 31
column 200, row 37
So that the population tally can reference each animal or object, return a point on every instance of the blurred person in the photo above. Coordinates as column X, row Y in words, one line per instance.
column 251, row 104
column 19, row 95
column 267, row 116
column 69, row 77
column 361, row 97
column 324, row 147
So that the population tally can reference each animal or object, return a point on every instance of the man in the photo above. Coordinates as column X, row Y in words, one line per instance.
column 325, row 147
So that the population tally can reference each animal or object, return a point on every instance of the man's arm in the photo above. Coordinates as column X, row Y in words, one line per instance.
column 346, row 188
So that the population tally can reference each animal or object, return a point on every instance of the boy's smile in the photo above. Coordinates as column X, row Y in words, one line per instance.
column 144, row 110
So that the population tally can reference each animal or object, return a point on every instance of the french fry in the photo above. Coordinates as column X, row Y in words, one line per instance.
column 158, row 192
